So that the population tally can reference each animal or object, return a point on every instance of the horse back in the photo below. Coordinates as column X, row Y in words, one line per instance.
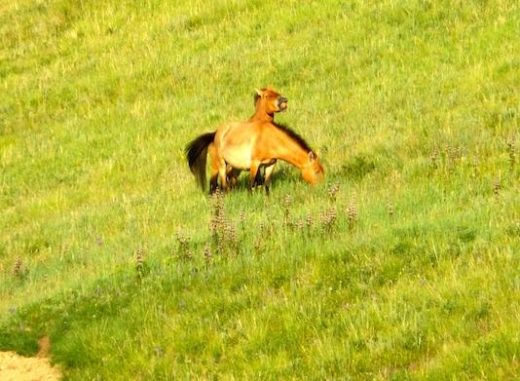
column 237, row 133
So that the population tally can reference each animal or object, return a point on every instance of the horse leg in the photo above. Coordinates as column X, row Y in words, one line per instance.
column 268, row 172
column 232, row 176
column 253, row 171
column 213, row 179
column 222, row 174
column 260, row 177
column 213, row 183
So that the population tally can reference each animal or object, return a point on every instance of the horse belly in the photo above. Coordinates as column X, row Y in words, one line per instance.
column 239, row 157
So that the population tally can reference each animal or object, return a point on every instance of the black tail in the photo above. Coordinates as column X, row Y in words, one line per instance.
column 196, row 154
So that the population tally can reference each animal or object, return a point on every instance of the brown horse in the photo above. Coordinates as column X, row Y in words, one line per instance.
column 267, row 102
column 258, row 144
column 247, row 146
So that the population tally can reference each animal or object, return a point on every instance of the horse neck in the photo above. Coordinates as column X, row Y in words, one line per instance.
column 287, row 149
column 261, row 113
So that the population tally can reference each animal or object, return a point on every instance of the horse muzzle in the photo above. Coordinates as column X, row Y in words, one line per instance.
column 282, row 103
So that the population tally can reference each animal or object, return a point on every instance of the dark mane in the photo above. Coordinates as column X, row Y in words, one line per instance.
column 292, row 134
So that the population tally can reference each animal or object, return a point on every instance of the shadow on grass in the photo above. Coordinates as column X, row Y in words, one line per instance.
column 21, row 330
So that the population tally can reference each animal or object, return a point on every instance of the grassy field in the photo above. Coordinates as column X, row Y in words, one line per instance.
column 403, row 264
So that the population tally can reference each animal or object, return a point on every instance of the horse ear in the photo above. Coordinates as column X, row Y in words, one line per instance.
column 312, row 156
column 258, row 92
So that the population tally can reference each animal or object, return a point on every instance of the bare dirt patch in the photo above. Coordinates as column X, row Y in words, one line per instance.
column 14, row 367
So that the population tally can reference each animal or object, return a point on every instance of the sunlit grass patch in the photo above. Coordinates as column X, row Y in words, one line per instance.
column 402, row 265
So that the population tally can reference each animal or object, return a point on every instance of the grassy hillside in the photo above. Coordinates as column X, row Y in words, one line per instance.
column 403, row 264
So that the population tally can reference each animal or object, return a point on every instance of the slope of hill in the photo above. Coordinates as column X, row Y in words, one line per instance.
column 403, row 264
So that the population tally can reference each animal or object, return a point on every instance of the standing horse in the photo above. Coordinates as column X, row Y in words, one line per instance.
column 267, row 103
column 247, row 146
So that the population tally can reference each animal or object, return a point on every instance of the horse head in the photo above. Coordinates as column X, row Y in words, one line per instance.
column 270, row 101
column 312, row 170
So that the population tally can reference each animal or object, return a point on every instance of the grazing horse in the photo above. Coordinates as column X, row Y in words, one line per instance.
column 247, row 146
column 267, row 103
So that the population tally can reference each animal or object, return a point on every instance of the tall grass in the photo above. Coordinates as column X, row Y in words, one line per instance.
column 402, row 265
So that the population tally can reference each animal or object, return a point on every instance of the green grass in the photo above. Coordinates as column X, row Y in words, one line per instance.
column 409, row 271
